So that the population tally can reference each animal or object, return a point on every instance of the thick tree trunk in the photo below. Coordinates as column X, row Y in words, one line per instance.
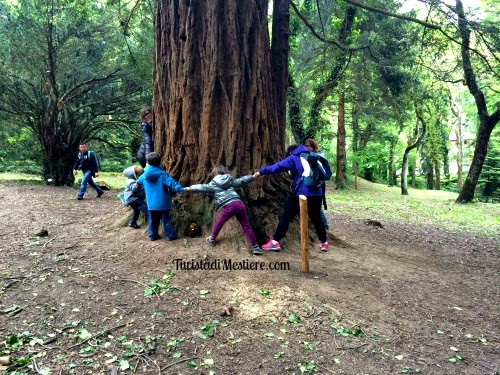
column 214, row 102
column 58, row 165
column 486, row 123
column 341, row 176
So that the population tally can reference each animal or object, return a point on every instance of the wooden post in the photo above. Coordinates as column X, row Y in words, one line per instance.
column 304, row 233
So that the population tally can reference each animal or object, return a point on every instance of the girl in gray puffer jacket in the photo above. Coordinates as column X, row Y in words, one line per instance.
column 223, row 187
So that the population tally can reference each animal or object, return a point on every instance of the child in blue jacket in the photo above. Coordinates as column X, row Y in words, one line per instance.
column 158, row 184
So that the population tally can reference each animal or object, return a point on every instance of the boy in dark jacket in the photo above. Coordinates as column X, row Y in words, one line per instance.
column 223, row 187
column 314, row 196
column 158, row 184
column 87, row 162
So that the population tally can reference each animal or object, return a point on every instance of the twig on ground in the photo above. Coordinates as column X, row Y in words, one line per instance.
column 326, row 369
column 99, row 334
column 52, row 239
column 351, row 347
column 179, row 361
column 138, row 282
column 11, row 283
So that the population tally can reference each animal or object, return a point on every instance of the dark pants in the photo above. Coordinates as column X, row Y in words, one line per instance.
column 154, row 222
column 138, row 206
column 292, row 208
column 239, row 210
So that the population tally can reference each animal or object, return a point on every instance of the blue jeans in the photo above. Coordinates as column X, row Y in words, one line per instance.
column 87, row 179
column 154, row 222
column 138, row 206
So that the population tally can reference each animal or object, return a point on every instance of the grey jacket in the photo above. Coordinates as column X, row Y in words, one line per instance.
column 133, row 190
column 222, row 187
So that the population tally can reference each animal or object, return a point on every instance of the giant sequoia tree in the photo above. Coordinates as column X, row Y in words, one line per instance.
column 215, row 98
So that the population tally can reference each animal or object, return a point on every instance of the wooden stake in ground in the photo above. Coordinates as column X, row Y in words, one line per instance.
column 304, row 233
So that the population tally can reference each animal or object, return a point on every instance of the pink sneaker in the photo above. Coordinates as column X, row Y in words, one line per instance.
column 272, row 245
column 323, row 246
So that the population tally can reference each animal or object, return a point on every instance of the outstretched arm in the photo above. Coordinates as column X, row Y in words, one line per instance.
column 201, row 188
column 171, row 184
column 243, row 180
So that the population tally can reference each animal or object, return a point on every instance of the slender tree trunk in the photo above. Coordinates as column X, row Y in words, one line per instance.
column 455, row 109
column 215, row 103
column 486, row 123
column 404, row 168
column 279, row 59
column 355, row 141
column 294, row 112
column 430, row 176
column 325, row 88
column 341, row 177
column 391, row 172
column 413, row 175
column 437, row 177
column 460, row 156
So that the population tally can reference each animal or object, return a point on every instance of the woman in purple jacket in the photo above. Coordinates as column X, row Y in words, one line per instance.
column 314, row 196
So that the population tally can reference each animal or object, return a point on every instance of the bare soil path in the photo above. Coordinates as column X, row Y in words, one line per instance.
column 397, row 299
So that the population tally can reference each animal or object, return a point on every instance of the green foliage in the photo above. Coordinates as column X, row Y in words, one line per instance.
column 489, row 180
column 160, row 287
column 71, row 81
column 421, row 207
column 19, row 151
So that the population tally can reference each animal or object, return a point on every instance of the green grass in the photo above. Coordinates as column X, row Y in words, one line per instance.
column 114, row 180
column 372, row 201
column 427, row 207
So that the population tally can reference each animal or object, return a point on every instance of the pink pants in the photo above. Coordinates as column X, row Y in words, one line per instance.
column 239, row 210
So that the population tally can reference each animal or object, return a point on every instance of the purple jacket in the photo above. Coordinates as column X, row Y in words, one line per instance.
column 294, row 165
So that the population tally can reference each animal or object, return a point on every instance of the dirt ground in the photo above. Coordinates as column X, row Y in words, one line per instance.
column 397, row 299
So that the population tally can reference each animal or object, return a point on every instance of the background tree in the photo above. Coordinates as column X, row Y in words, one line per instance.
column 67, row 84
column 487, row 122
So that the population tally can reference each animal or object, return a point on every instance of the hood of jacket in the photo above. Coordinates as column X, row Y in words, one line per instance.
column 300, row 149
column 129, row 173
column 225, row 181
column 152, row 173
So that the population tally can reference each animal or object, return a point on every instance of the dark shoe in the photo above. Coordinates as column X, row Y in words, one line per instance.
column 256, row 250
column 99, row 195
column 79, row 198
column 154, row 238
column 134, row 225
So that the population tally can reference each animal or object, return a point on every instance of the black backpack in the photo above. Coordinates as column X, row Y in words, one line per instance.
column 314, row 173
